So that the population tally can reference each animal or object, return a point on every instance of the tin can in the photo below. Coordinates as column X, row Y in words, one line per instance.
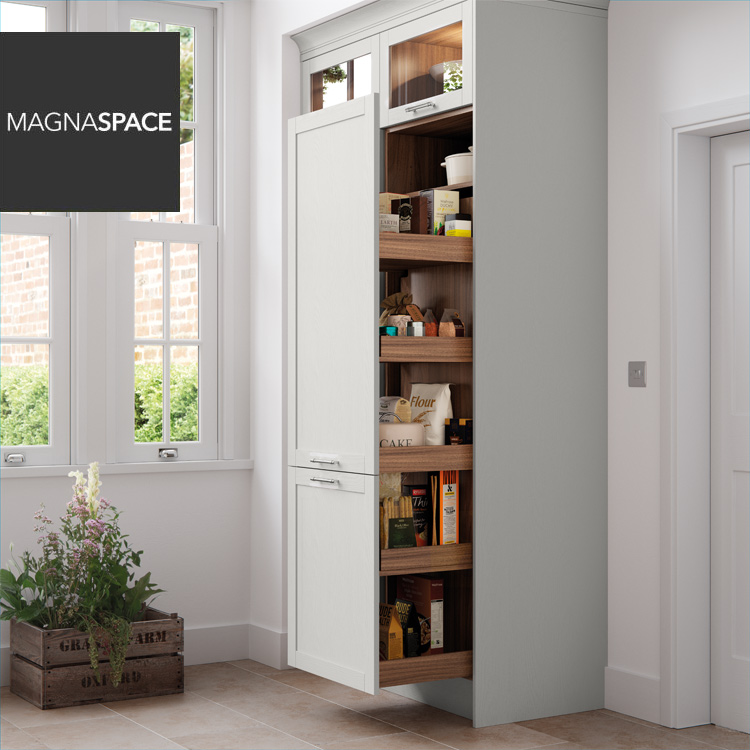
column 415, row 328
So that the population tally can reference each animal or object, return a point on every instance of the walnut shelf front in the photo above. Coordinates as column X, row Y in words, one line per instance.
column 425, row 349
column 427, row 458
column 404, row 251
column 426, row 668
column 396, row 562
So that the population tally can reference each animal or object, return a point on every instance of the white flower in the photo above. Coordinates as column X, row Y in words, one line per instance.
column 93, row 488
column 78, row 477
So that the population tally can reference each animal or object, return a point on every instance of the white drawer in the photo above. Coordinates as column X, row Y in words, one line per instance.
column 331, row 461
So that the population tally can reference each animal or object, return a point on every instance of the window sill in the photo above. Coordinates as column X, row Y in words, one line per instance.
column 18, row 472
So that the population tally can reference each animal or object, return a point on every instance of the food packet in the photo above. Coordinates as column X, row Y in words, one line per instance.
column 451, row 324
column 430, row 324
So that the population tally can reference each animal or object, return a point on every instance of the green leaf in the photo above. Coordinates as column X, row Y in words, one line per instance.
column 7, row 578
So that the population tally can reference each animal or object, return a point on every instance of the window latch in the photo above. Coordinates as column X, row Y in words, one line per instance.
column 167, row 452
column 15, row 458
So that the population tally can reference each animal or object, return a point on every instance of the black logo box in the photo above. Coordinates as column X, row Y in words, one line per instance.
column 89, row 170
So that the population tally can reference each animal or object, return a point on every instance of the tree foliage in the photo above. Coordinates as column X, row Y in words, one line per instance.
column 24, row 405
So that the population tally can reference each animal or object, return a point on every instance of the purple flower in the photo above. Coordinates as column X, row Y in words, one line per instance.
column 93, row 546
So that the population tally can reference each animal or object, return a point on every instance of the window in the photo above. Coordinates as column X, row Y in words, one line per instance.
column 341, row 83
column 35, row 348
column 165, row 371
column 32, row 15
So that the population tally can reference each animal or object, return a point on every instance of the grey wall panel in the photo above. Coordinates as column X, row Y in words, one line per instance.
column 540, row 362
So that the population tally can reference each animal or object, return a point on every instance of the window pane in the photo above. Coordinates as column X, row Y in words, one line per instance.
column 20, row 17
column 362, row 76
column 24, row 394
column 24, row 285
column 149, row 290
column 187, row 36
column 138, row 25
column 329, row 86
column 186, row 214
column 183, row 394
column 183, row 291
column 149, row 409
column 26, row 213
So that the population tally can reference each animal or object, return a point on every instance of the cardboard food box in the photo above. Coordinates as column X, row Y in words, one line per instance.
column 385, row 200
column 440, row 203
column 402, row 207
column 407, row 615
column 391, row 633
column 444, row 486
column 426, row 591
column 388, row 222
column 459, row 432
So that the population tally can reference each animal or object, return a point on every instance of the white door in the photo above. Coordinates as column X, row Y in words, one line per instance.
column 333, row 576
column 730, row 426
column 334, row 180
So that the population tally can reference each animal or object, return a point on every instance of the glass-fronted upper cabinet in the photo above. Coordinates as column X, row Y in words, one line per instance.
column 339, row 76
column 426, row 65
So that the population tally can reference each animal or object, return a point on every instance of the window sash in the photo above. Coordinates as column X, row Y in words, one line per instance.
column 204, row 109
column 57, row 12
column 122, row 371
column 57, row 228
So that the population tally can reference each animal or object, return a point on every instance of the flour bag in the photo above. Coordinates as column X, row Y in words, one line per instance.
column 431, row 406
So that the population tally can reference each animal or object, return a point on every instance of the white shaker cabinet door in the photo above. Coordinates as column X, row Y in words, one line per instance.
column 333, row 563
column 333, row 286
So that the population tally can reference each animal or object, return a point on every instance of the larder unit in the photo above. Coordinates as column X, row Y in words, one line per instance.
column 525, row 586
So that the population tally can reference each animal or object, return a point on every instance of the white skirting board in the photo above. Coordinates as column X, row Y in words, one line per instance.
column 632, row 694
column 202, row 646
column 268, row 647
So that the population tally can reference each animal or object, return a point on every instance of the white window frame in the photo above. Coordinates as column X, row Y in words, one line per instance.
column 57, row 228
column 206, row 447
column 57, row 12
column 202, row 125
column 121, row 446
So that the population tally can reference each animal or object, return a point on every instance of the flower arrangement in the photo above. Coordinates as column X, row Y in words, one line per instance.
column 84, row 577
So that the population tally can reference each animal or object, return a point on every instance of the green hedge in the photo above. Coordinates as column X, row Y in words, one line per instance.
column 24, row 404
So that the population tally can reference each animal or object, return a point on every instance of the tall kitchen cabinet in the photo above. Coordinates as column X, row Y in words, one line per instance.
column 526, row 585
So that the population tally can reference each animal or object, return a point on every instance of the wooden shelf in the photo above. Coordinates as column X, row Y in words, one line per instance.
column 396, row 562
column 457, row 186
column 427, row 458
column 404, row 251
column 425, row 349
column 426, row 668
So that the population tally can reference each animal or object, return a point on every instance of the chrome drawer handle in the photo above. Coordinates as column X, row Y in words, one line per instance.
column 14, row 458
column 323, row 461
column 423, row 105
column 327, row 481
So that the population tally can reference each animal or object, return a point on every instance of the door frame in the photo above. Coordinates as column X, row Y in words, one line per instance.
column 685, row 406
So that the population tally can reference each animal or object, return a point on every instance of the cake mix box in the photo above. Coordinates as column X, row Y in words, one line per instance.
column 426, row 591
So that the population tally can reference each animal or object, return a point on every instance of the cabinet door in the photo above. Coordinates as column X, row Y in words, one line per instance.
column 333, row 564
column 333, row 284
column 426, row 65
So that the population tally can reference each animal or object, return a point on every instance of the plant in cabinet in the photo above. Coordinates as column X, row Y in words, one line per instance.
column 84, row 577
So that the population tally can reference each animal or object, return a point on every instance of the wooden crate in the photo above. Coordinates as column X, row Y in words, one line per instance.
column 51, row 668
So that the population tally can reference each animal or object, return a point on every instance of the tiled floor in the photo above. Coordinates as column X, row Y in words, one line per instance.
column 247, row 706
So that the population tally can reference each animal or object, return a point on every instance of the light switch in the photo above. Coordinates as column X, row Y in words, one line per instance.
column 637, row 374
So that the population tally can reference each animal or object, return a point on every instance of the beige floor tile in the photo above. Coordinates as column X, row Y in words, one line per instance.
column 458, row 732
column 218, row 681
column 337, row 693
column 596, row 730
column 399, row 741
column 631, row 718
column 560, row 746
column 256, row 738
column 13, row 738
column 115, row 733
column 308, row 717
column 23, row 714
column 718, row 736
column 177, row 715
column 258, row 668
